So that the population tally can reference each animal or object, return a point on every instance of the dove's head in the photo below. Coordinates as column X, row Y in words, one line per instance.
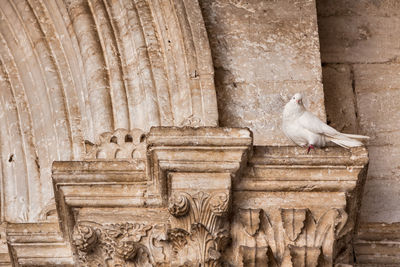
column 297, row 98
column 294, row 107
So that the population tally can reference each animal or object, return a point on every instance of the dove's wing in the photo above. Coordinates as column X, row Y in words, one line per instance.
column 312, row 123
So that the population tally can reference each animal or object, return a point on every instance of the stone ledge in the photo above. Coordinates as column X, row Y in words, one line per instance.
column 291, row 169
column 378, row 244
column 38, row 244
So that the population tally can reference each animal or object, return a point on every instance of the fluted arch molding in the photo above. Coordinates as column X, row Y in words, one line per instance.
column 73, row 69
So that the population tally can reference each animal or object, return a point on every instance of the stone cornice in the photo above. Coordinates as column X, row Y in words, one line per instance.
column 378, row 244
column 290, row 169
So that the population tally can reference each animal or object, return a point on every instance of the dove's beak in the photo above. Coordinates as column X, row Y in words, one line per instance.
column 299, row 101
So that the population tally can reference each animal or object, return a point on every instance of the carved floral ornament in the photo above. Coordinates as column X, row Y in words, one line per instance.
column 198, row 233
column 195, row 236
column 200, row 230
column 124, row 244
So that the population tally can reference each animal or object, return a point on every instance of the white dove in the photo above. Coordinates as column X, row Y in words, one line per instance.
column 307, row 130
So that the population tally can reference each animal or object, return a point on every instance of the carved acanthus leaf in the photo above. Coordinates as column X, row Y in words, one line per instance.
column 293, row 222
column 304, row 256
column 84, row 238
column 250, row 220
column 199, row 229
column 157, row 240
column 178, row 237
column 333, row 220
column 308, row 241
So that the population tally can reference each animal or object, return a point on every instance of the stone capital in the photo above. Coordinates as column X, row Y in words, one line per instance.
column 200, row 197
column 177, row 193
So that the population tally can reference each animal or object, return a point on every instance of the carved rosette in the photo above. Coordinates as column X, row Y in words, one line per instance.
column 116, row 244
column 200, row 231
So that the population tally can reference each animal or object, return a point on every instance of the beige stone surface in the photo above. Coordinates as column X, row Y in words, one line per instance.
column 263, row 53
column 358, row 31
column 38, row 244
column 377, row 89
column 380, row 201
column 361, row 38
column 339, row 97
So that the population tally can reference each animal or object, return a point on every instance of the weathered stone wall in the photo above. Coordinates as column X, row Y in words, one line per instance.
column 263, row 51
column 361, row 76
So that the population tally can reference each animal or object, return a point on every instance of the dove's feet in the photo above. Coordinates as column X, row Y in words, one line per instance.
column 309, row 148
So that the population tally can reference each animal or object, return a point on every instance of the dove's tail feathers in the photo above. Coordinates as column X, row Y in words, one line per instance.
column 356, row 136
column 346, row 143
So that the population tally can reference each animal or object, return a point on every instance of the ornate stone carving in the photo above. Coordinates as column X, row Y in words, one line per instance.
column 121, row 144
column 118, row 244
column 176, row 203
column 199, row 231
column 250, row 220
column 292, row 237
column 297, row 210
column 84, row 238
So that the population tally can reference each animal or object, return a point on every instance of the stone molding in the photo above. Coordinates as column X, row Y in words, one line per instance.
column 378, row 244
column 38, row 244
column 206, row 197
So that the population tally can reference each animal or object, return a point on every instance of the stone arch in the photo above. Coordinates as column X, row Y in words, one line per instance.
column 72, row 69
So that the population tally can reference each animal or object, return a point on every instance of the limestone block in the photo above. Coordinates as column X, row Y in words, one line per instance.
column 381, row 8
column 263, row 52
column 381, row 201
column 339, row 97
column 384, row 162
column 378, row 88
column 291, row 207
column 364, row 39
column 169, row 208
